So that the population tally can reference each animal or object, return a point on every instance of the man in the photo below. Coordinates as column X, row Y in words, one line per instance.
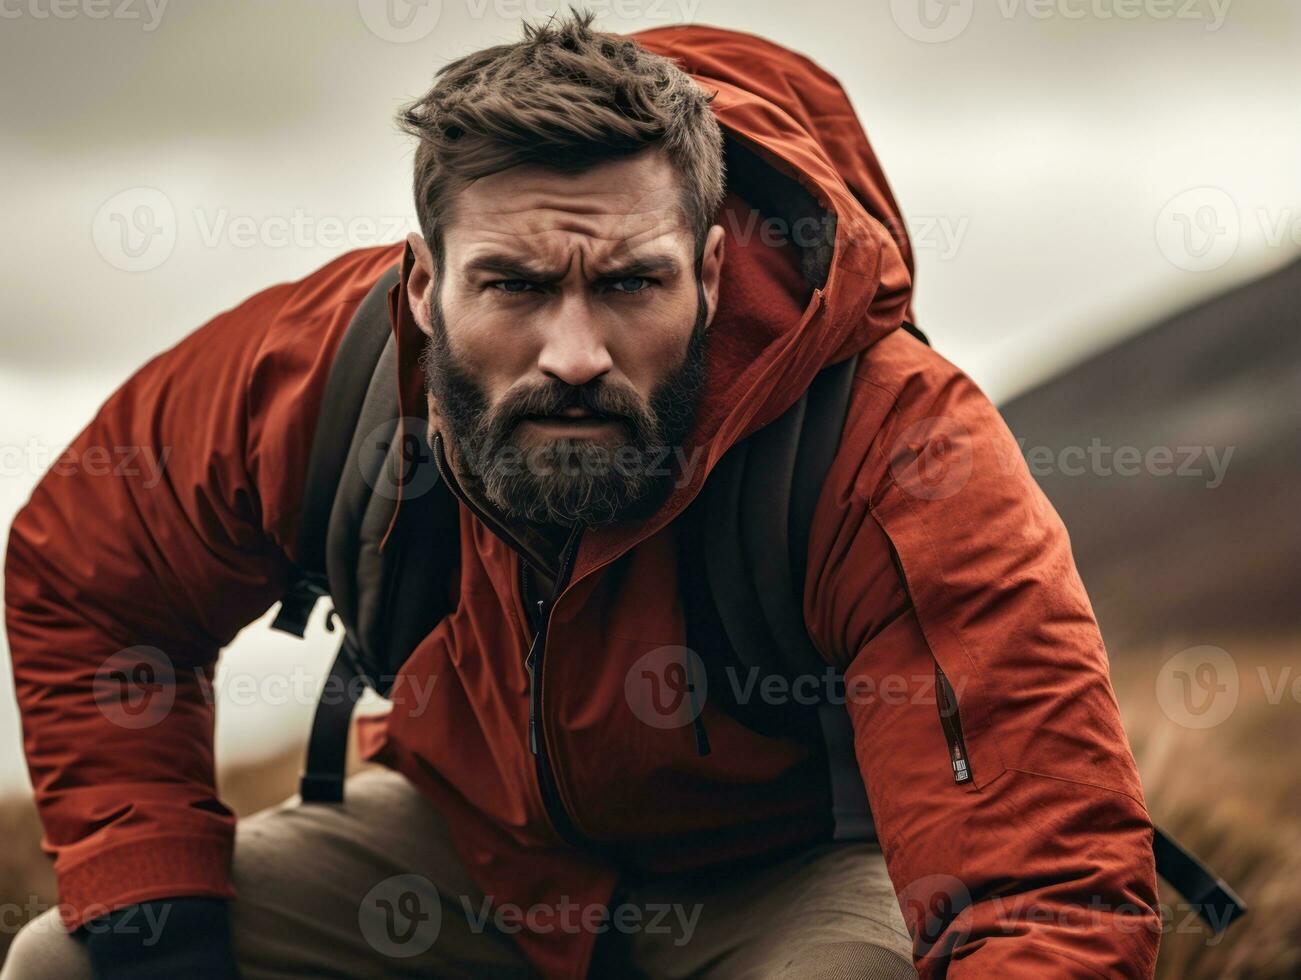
column 594, row 293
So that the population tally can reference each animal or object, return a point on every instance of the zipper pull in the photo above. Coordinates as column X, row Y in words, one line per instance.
column 960, row 771
column 947, row 702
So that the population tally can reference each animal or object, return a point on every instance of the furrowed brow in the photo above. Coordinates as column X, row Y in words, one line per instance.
column 499, row 263
column 647, row 265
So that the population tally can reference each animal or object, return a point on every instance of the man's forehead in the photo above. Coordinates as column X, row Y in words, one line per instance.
column 617, row 208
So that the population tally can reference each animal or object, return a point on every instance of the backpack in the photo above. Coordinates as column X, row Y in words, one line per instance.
column 754, row 514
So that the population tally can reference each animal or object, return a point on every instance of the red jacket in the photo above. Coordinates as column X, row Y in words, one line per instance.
column 1049, row 841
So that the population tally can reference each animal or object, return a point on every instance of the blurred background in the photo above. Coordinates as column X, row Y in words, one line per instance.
column 1105, row 201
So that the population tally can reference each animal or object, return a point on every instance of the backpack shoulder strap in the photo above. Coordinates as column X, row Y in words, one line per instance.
column 349, row 382
column 387, row 598
column 759, row 516
column 345, row 393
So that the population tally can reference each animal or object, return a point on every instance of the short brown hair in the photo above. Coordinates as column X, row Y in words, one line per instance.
column 566, row 97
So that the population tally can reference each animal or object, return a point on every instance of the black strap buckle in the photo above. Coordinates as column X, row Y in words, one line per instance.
column 299, row 600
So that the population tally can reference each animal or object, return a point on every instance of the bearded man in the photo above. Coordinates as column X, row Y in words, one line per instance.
column 597, row 309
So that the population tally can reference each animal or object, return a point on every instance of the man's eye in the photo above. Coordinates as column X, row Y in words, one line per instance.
column 631, row 284
column 512, row 285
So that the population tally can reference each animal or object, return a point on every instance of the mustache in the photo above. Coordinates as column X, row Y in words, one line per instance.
column 599, row 399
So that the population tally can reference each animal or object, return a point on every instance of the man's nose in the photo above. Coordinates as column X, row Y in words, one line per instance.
column 573, row 348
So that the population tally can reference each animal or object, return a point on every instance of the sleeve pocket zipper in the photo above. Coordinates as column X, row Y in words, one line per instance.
column 946, row 700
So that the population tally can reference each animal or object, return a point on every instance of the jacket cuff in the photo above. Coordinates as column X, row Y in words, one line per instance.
column 143, row 870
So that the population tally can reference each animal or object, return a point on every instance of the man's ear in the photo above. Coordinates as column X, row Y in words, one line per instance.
column 420, row 283
column 711, row 269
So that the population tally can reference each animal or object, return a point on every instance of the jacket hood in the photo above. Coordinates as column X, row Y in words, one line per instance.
column 817, row 266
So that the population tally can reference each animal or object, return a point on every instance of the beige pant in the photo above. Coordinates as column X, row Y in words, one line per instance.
column 373, row 889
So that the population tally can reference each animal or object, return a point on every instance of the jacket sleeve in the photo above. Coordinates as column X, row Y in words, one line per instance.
column 160, row 532
column 1014, row 827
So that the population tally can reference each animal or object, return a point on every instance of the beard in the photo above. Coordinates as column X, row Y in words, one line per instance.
column 567, row 481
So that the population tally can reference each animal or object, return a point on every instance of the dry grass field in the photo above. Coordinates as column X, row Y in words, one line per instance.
column 1231, row 793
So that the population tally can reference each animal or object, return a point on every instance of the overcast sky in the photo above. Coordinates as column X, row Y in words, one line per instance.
column 1070, row 169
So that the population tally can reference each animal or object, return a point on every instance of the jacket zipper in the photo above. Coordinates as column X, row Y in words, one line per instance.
column 548, row 780
column 946, row 699
column 552, row 802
